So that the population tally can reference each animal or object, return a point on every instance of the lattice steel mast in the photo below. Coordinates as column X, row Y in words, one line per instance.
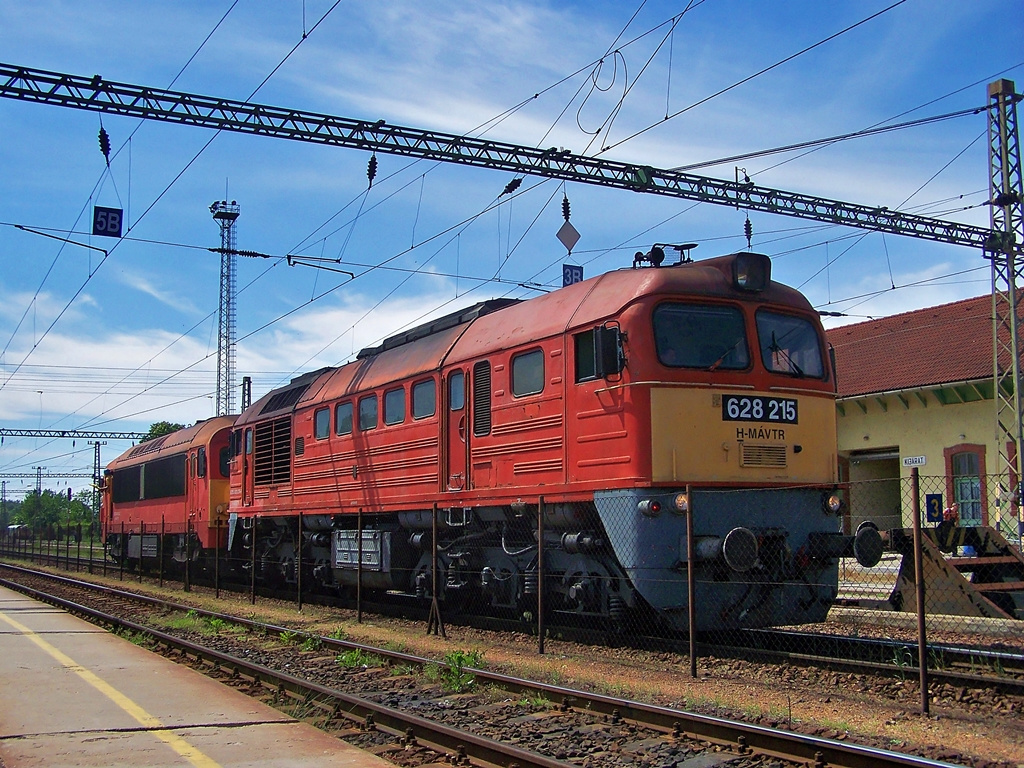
column 1007, row 212
column 226, row 214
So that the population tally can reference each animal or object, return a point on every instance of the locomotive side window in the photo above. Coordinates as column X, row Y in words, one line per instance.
column 394, row 406
column 586, row 358
column 224, row 462
column 201, row 462
column 424, row 399
column 789, row 345
column 248, row 441
column 368, row 413
column 482, row 398
column 343, row 419
column 322, row 423
column 457, row 391
column 528, row 373
column 700, row 336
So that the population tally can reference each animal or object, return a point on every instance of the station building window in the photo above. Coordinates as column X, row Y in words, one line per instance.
column 965, row 473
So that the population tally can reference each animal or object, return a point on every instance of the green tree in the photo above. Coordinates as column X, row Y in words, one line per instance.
column 161, row 428
column 51, row 511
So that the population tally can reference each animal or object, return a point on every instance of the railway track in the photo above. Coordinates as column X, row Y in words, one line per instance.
column 621, row 731
column 996, row 670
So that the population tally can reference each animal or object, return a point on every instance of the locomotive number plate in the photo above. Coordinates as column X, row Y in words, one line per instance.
column 778, row 410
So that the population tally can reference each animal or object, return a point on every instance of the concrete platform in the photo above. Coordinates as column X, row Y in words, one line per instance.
column 74, row 695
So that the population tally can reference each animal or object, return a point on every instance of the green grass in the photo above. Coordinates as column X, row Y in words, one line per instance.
column 357, row 657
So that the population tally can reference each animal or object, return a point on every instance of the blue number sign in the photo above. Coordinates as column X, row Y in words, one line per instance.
column 933, row 507
column 107, row 221
column 571, row 274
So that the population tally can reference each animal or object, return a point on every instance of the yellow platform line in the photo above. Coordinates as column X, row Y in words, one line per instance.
column 140, row 715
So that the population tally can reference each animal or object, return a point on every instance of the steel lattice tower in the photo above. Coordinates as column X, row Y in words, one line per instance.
column 1005, row 189
column 225, row 214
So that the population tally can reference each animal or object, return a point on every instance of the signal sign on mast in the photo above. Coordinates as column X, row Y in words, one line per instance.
column 107, row 221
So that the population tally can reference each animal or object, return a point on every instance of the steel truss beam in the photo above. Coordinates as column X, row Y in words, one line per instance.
column 72, row 433
column 101, row 95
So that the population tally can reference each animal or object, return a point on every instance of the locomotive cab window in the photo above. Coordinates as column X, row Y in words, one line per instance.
column 394, row 406
column 368, row 413
column 424, row 399
column 343, row 419
column 322, row 423
column 586, row 356
column 708, row 337
column 789, row 345
column 224, row 462
column 457, row 391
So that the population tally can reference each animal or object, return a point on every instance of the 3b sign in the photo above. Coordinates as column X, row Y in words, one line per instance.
column 571, row 274
column 107, row 221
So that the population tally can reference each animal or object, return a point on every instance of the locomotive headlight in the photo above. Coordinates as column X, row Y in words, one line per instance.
column 649, row 507
column 751, row 271
column 681, row 503
column 833, row 503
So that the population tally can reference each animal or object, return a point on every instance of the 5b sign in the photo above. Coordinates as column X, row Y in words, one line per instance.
column 107, row 221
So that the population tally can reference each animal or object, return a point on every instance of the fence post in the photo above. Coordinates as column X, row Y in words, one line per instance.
column 142, row 546
column 186, row 580
column 691, row 585
column 252, row 563
column 160, row 548
column 359, row 567
column 922, row 645
column 541, row 629
column 434, row 623
column 298, row 564
column 216, row 559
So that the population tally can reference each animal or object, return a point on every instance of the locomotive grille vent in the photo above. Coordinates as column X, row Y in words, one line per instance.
column 272, row 456
column 752, row 455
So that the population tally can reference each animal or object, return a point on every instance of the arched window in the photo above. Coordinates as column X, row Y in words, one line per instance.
column 965, row 471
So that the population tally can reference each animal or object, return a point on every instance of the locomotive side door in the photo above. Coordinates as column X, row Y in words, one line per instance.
column 457, row 414
column 247, row 468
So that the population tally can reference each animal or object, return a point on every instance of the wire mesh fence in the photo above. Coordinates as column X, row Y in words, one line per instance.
column 782, row 569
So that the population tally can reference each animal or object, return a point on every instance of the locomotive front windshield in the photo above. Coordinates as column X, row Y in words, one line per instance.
column 701, row 336
column 789, row 345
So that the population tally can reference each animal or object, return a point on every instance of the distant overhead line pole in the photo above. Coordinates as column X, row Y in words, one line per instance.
column 99, row 95
column 72, row 433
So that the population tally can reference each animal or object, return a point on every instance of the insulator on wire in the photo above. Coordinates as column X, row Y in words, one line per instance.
column 565, row 207
column 105, row 144
column 511, row 187
column 371, row 169
column 748, row 230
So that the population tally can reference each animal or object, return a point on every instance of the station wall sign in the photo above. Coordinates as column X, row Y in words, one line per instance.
column 915, row 461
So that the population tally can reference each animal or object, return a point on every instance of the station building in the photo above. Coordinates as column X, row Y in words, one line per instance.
column 916, row 389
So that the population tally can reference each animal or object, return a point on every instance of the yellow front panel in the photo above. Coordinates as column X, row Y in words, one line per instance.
column 692, row 440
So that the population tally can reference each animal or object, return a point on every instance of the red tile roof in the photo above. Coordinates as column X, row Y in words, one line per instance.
column 926, row 347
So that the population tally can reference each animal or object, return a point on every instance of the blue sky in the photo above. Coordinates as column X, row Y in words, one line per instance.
column 138, row 344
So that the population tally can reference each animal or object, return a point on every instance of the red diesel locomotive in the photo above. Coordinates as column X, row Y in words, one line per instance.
column 605, row 400
column 174, row 487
